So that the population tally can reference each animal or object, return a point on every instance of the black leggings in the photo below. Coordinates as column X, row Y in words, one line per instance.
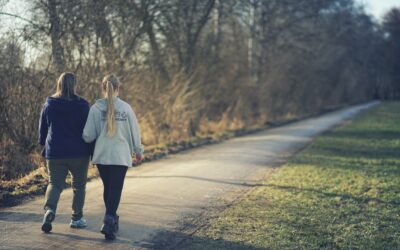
column 113, row 181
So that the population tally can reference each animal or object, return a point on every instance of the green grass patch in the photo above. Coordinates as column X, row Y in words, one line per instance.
column 341, row 192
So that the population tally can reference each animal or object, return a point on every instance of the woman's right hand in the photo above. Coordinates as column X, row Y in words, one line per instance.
column 138, row 159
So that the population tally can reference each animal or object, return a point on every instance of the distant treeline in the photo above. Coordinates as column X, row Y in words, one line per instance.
column 192, row 67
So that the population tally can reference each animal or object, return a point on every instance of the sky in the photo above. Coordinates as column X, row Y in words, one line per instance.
column 379, row 7
column 16, row 7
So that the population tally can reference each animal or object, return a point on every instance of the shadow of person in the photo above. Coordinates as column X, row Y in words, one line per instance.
column 20, row 216
column 91, row 240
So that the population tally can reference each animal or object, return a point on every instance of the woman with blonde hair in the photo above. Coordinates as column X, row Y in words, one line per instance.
column 62, row 120
column 113, row 125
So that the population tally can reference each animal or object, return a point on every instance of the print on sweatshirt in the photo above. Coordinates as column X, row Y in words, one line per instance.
column 119, row 116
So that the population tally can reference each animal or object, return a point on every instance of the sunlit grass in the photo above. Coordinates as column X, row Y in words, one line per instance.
column 342, row 192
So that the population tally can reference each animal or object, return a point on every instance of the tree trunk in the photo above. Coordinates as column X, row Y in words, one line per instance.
column 56, row 33
column 103, row 31
column 157, row 59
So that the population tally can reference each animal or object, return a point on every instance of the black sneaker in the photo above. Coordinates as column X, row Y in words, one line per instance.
column 47, row 219
column 108, row 228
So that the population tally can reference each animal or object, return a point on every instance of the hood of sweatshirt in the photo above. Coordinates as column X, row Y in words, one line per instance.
column 101, row 104
column 66, row 106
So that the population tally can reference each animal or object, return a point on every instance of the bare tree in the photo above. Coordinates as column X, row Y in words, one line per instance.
column 56, row 34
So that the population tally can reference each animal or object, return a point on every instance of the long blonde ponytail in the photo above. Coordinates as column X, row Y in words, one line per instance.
column 110, row 109
column 110, row 84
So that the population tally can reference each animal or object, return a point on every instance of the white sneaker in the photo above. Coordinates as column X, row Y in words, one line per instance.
column 81, row 223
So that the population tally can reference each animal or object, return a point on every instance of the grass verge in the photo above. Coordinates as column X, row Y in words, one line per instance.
column 341, row 192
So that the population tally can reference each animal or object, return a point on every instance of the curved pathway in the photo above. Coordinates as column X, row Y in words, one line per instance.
column 159, row 194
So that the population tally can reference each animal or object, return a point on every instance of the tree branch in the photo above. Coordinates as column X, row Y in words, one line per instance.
column 42, row 28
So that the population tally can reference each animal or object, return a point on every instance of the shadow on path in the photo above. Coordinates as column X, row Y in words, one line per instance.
column 221, row 181
column 20, row 216
column 169, row 240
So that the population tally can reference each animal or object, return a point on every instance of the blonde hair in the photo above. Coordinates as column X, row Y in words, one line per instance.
column 109, row 84
column 66, row 85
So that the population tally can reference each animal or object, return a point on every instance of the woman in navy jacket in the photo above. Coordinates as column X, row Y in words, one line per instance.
column 61, row 124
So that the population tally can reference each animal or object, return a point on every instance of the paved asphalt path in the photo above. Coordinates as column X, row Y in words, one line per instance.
column 159, row 194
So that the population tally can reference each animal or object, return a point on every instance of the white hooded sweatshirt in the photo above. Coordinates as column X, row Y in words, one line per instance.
column 118, row 149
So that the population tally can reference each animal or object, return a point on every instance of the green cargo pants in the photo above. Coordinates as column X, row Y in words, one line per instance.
column 58, row 171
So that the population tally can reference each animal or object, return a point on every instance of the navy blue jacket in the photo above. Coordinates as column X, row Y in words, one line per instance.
column 60, row 128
